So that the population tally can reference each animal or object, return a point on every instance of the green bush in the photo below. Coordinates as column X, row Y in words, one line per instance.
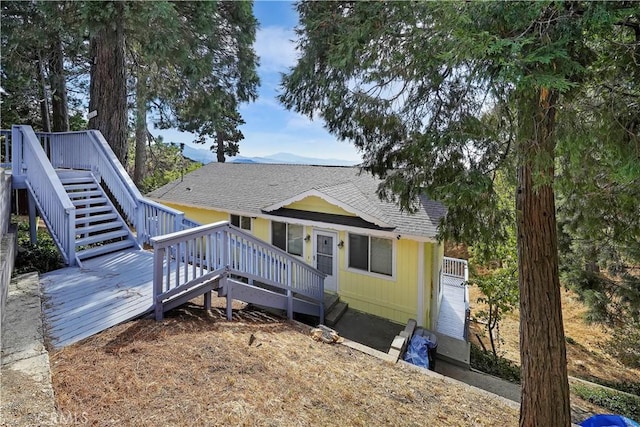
column 618, row 403
column 41, row 257
column 494, row 365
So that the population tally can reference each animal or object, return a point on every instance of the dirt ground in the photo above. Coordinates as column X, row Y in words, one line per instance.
column 195, row 368
column 587, row 356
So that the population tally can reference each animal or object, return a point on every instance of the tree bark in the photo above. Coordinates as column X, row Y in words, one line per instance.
column 108, row 87
column 141, row 130
column 220, row 146
column 59, row 106
column 545, row 386
column 42, row 93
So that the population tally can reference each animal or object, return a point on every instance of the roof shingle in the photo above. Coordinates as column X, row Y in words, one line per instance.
column 249, row 188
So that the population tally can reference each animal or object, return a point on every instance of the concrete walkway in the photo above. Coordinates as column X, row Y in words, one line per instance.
column 26, row 394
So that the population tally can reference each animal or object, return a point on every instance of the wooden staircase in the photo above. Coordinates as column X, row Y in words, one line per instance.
column 99, row 228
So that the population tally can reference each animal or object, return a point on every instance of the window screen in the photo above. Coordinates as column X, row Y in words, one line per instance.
column 381, row 256
column 295, row 239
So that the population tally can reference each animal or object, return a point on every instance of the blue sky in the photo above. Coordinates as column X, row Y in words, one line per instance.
column 269, row 128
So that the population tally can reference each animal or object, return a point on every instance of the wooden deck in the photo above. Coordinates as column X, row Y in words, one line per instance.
column 106, row 291
column 451, row 320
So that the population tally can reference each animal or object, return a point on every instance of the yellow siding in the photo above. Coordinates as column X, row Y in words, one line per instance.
column 316, row 204
column 262, row 229
column 203, row 216
column 391, row 298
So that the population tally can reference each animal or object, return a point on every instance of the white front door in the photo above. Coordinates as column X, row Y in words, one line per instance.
column 325, row 244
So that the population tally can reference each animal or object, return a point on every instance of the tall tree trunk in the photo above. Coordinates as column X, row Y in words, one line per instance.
column 59, row 107
column 141, row 130
column 108, row 88
column 42, row 93
column 220, row 146
column 545, row 386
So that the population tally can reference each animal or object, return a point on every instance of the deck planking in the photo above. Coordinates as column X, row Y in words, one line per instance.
column 105, row 291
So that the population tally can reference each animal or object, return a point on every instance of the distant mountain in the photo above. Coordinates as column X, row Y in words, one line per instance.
column 293, row 159
column 199, row 154
column 206, row 156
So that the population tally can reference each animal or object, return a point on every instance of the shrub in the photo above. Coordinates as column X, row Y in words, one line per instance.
column 41, row 257
column 618, row 403
column 494, row 365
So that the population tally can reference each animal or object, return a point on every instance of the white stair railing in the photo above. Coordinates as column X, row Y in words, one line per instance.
column 188, row 258
column 90, row 151
column 30, row 160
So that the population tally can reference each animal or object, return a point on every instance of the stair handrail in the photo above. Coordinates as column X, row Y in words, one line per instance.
column 90, row 150
column 186, row 258
column 151, row 218
column 50, row 197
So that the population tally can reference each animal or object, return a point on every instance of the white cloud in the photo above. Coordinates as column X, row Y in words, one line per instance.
column 276, row 49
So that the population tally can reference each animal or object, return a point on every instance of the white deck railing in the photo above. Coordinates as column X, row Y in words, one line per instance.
column 46, row 189
column 186, row 259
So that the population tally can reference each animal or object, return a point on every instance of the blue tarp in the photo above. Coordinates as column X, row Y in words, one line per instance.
column 609, row 421
column 418, row 351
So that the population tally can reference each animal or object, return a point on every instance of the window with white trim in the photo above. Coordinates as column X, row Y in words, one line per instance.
column 288, row 237
column 243, row 222
column 372, row 254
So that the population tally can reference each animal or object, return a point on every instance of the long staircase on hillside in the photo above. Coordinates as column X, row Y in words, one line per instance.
column 99, row 220
column 100, row 229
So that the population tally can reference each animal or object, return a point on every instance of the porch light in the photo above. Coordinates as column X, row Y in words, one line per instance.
column 341, row 244
column 307, row 238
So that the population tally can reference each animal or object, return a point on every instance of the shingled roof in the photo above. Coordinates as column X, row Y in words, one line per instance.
column 258, row 189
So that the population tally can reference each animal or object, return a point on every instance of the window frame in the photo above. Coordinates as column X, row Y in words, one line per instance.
column 240, row 218
column 368, row 271
column 286, row 231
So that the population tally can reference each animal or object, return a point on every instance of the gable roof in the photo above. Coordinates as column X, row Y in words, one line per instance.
column 257, row 189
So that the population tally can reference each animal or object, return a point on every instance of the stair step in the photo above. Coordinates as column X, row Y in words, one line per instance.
column 89, row 202
column 101, row 237
column 330, row 301
column 84, row 194
column 77, row 180
column 332, row 317
column 104, row 249
column 93, row 210
column 70, row 188
column 98, row 227
column 94, row 218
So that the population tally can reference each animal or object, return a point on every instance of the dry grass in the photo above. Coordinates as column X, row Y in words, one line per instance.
column 195, row 368
column 587, row 357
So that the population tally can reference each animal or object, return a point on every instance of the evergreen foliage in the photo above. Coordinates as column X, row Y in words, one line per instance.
column 441, row 96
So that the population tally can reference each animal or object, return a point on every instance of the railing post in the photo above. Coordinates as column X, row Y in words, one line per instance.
column 289, row 292
column 140, row 223
column 16, row 151
column 71, row 236
column 178, row 224
column 158, row 258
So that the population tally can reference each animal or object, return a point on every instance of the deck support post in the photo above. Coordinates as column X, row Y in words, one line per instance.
column 207, row 300
column 31, row 205
column 228, row 287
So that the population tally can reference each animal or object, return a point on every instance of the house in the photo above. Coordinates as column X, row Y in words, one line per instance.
column 274, row 235
column 377, row 258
